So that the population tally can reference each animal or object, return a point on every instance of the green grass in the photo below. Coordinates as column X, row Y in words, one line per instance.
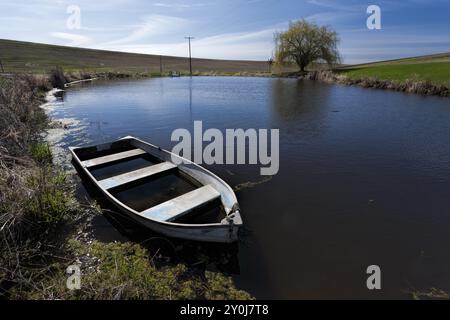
column 28, row 57
column 435, row 69
column 41, row 152
column 127, row 271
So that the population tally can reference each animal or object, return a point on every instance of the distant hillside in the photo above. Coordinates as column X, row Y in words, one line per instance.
column 18, row 56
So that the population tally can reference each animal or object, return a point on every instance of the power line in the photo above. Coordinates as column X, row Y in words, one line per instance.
column 190, row 57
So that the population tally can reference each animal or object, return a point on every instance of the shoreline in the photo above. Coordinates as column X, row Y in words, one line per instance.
column 421, row 87
column 48, row 228
column 89, row 249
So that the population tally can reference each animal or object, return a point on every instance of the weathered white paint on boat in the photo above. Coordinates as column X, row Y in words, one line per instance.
column 111, row 158
column 225, row 230
column 174, row 208
column 135, row 175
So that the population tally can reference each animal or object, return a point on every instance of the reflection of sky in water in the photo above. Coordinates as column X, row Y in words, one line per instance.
column 65, row 130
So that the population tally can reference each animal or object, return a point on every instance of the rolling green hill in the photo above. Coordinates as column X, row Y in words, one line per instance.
column 434, row 68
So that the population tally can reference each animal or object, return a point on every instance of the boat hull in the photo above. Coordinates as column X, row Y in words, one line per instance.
column 219, row 233
column 224, row 232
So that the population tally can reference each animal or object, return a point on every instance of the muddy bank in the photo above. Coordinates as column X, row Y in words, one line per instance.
column 409, row 86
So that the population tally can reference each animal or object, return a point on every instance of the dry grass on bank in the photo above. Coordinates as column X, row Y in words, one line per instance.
column 35, row 202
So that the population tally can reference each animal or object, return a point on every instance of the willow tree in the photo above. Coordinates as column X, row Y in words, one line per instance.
column 304, row 43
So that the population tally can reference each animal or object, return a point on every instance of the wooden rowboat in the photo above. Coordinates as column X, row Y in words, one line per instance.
column 166, row 193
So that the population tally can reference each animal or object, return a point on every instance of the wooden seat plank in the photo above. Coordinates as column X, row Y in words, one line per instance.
column 177, row 207
column 135, row 175
column 112, row 157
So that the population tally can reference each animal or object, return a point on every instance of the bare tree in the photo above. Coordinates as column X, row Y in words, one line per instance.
column 304, row 43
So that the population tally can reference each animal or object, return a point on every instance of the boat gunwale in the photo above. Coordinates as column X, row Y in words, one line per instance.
column 219, row 225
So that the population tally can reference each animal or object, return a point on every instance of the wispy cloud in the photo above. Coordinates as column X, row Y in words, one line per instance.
column 171, row 5
column 153, row 25
column 328, row 17
column 336, row 6
column 242, row 45
column 75, row 39
column 334, row 12
column 181, row 5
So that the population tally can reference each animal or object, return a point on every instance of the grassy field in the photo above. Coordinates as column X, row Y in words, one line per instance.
column 434, row 68
column 27, row 57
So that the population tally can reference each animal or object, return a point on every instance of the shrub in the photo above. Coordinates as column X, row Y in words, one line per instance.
column 41, row 152
column 126, row 271
column 21, row 119
column 57, row 78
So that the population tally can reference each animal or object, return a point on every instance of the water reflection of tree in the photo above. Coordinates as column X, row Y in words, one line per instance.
column 300, row 106
column 294, row 99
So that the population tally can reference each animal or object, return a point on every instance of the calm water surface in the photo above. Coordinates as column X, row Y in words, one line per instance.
column 364, row 176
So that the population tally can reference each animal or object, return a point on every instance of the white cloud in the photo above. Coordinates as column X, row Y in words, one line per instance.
column 244, row 45
column 336, row 6
column 180, row 5
column 328, row 17
column 171, row 5
column 76, row 39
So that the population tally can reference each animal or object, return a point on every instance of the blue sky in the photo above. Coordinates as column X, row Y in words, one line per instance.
column 231, row 29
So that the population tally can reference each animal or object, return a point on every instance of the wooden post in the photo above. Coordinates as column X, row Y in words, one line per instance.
column 1, row 66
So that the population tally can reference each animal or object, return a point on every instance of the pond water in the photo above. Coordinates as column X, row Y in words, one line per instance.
column 364, row 176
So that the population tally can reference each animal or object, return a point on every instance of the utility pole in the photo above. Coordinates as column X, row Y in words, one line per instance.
column 190, row 57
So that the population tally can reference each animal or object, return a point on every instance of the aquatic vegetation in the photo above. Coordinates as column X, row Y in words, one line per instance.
column 432, row 293
column 251, row 184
